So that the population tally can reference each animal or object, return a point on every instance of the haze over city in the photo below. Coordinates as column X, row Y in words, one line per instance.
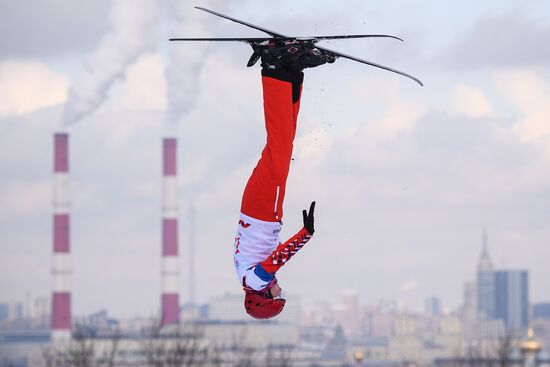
column 406, row 178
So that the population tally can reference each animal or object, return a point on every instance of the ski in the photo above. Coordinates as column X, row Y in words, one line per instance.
column 275, row 36
column 380, row 66
column 309, row 39
column 265, row 30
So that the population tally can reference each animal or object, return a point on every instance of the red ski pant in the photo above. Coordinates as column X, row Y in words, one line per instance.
column 265, row 191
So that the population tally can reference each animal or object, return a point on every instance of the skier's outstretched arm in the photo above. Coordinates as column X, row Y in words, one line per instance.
column 266, row 269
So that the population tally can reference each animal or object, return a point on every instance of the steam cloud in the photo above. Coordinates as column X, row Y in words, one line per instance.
column 132, row 33
column 186, row 59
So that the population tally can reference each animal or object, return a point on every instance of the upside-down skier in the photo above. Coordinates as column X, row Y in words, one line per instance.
column 258, row 252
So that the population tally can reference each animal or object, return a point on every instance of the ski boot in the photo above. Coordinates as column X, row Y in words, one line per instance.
column 292, row 56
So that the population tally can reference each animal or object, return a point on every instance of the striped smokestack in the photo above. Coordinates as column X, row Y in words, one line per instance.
column 170, row 264
column 61, row 293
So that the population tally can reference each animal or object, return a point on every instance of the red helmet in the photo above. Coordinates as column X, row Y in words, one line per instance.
column 260, row 305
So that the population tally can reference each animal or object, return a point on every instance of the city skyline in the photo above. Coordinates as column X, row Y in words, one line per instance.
column 432, row 304
column 405, row 178
column 383, row 333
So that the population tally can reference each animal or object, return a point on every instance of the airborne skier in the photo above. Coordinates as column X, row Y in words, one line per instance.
column 258, row 253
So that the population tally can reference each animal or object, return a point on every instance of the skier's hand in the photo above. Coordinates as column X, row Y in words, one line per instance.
column 308, row 218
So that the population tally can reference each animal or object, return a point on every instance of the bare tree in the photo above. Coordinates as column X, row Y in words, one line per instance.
column 7, row 363
column 81, row 351
column 176, row 346
column 243, row 356
column 488, row 353
column 108, row 357
column 239, row 353
column 504, row 349
column 279, row 356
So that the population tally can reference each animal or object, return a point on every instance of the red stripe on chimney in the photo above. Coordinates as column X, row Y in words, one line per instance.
column 61, row 228
column 169, row 156
column 61, row 152
column 170, row 308
column 169, row 237
column 61, row 311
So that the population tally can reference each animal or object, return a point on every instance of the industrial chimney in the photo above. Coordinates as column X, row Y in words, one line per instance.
column 170, row 263
column 61, row 271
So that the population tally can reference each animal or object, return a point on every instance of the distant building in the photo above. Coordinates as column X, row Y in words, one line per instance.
column 11, row 311
column 378, row 321
column 346, row 313
column 405, row 324
column 227, row 307
column 485, row 284
column 99, row 323
column 192, row 312
column 541, row 311
column 469, row 307
column 432, row 306
column 336, row 349
column 4, row 312
column 30, row 314
column 489, row 329
column 41, row 311
column 512, row 298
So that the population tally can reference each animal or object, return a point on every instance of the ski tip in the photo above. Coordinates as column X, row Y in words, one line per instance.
column 418, row 81
column 413, row 78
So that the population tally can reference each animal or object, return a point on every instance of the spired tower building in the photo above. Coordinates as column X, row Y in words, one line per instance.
column 485, row 284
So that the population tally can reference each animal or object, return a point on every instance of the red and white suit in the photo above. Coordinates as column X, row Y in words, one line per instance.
column 258, row 252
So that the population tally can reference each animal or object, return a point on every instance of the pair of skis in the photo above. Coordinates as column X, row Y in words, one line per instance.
column 278, row 37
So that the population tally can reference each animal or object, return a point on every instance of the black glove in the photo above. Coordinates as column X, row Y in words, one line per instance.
column 308, row 218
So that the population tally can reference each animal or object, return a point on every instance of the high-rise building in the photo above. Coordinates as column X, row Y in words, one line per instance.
column 432, row 306
column 512, row 298
column 485, row 284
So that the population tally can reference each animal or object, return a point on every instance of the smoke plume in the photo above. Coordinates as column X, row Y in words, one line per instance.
column 186, row 58
column 133, row 26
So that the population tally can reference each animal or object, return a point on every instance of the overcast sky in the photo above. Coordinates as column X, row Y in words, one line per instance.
column 405, row 178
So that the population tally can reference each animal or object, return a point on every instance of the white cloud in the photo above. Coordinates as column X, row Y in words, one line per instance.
column 24, row 198
column 471, row 101
column 313, row 146
column 409, row 285
column 145, row 84
column 50, row 27
column 26, row 86
column 510, row 39
column 530, row 93
column 400, row 115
